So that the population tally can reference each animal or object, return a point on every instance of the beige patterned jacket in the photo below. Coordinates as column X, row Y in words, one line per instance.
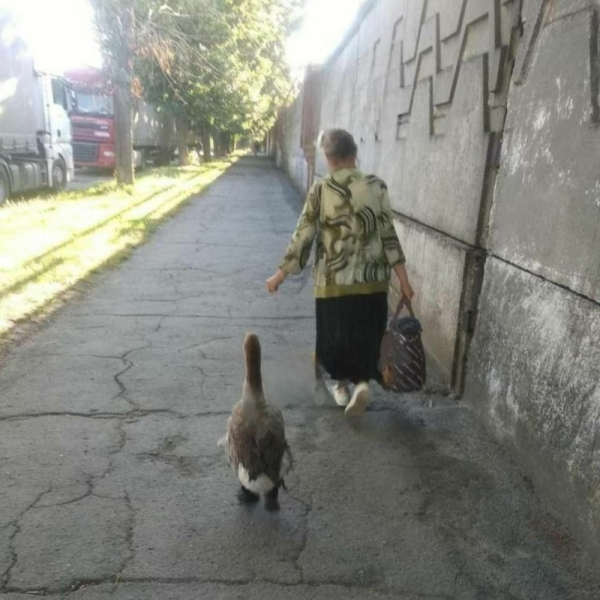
column 349, row 214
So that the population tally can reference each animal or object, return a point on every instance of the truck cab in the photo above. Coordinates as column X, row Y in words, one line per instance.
column 57, row 137
column 93, row 123
column 35, row 130
column 92, row 119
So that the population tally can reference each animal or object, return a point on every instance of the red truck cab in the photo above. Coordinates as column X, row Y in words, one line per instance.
column 92, row 118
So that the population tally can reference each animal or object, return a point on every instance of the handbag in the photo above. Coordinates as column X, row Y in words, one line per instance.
column 402, row 356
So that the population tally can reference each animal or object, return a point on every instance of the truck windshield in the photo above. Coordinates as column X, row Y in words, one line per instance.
column 96, row 104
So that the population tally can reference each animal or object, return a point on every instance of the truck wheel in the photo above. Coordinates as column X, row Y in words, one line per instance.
column 59, row 175
column 4, row 186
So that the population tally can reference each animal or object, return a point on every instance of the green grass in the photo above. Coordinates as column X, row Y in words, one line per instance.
column 50, row 244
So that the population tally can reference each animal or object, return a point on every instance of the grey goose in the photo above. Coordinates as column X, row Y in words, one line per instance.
column 255, row 441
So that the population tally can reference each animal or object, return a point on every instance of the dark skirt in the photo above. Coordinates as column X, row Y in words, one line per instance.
column 349, row 332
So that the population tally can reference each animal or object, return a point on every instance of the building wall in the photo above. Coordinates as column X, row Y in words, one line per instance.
column 534, row 369
column 422, row 86
column 288, row 149
column 482, row 116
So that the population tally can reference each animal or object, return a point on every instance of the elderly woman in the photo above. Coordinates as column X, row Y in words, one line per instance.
column 349, row 214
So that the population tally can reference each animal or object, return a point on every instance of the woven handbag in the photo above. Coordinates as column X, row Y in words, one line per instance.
column 402, row 357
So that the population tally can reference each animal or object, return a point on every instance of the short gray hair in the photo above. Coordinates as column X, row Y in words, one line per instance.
column 338, row 143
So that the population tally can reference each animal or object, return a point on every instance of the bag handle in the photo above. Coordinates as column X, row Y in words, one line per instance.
column 404, row 302
column 386, row 347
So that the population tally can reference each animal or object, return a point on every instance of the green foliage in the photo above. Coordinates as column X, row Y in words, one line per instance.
column 217, row 64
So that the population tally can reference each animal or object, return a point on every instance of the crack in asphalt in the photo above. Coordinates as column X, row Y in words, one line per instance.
column 83, row 496
column 76, row 585
column 16, row 524
column 116, row 580
column 308, row 507
column 132, row 414
column 236, row 320
column 199, row 345
column 130, row 534
column 128, row 365
column 91, row 481
column 159, row 325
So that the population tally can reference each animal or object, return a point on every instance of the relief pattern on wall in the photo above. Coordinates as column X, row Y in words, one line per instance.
column 484, row 28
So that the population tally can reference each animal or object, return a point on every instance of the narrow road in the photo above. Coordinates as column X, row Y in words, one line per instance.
column 87, row 178
column 112, row 485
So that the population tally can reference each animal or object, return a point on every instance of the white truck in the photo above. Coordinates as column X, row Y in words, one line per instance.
column 35, row 130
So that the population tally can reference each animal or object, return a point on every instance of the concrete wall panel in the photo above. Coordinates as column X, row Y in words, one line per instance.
column 290, row 155
column 435, row 61
column 437, row 268
column 438, row 179
column 546, row 215
column 372, row 79
column 534, row 379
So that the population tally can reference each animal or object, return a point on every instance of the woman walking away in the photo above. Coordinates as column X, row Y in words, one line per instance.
column 350, row 215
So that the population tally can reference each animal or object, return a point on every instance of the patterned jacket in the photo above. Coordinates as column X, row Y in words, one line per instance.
column 350, row 215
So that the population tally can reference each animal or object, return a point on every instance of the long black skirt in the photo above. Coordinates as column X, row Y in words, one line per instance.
column 349, row 332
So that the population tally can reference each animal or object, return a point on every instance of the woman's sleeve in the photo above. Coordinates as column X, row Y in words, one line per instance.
column 389, row 237
column 298, row 252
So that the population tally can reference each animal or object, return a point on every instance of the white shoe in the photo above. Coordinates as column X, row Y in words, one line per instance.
column 340, row 393
column 359, row 400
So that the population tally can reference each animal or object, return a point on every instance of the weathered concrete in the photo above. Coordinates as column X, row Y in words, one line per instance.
column 484, row 119
column 288, row 146
column 215, row 591
column 436, row 263
column 534, row 367
column 66, row 381
column 546, row 215
column 410, row 501
column 85, row 539
column 534, row 379
column 435, row 160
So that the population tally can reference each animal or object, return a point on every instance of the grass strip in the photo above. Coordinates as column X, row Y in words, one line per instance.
column 51, row 244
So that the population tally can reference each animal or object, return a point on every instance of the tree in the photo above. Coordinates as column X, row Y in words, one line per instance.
column 173, row 57
column 216, row 66
column 221, row 69
column 115, row 22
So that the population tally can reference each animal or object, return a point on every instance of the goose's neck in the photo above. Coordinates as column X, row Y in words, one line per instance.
column 252, row 396
column 253, row 385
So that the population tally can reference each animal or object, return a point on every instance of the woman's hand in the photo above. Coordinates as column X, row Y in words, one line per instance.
column 275, row 281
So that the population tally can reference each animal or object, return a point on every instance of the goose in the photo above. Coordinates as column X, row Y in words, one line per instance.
column 255, row 441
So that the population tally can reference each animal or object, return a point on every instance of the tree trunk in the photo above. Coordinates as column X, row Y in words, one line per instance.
column 216, row 142
column 182, row 141
column 166, row 145
column 206, row 145
column 124, row 136
column 226, row 137
column 123, row 106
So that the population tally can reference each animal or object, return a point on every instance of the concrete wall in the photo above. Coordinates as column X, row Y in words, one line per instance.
column 534, row 369
column 288, row 149
column 533, row 377
column 483, row 117
column 422, row 86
